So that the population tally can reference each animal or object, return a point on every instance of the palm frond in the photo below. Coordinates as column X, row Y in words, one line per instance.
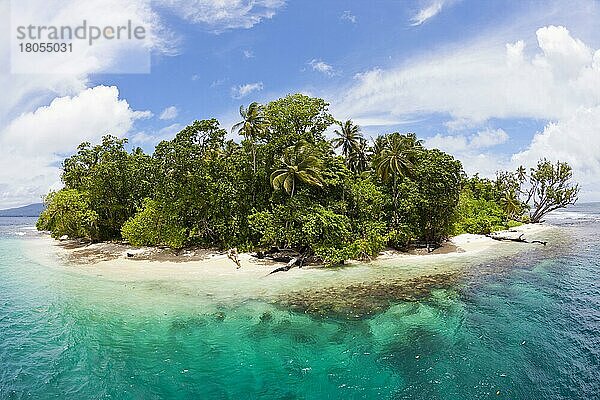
column 288, row 183
column 277, row 178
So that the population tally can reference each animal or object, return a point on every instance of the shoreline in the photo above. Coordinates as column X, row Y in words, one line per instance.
column 120, row 258
column 211, row 279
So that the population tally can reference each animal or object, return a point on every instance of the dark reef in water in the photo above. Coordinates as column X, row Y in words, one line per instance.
column 361, row 300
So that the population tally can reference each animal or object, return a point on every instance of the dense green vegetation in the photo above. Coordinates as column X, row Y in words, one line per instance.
column 285, row 185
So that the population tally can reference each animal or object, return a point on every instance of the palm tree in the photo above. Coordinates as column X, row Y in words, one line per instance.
column 359, row 159
column 511, row 204
column 299, row 166
column 378, row 144
column 348, row 138
column 251, row 127
column 521, row 173
column 412, row 141
column 394, row 160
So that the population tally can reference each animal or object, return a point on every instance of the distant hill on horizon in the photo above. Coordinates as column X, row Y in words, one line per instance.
column 31, row 210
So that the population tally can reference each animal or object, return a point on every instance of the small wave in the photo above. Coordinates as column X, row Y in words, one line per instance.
column 19, row 233
column 571, row 215
column 572, row 218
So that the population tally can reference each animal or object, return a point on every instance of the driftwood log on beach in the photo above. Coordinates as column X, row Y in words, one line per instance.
column 291, row 257
column 288, row 266
column 519, row 239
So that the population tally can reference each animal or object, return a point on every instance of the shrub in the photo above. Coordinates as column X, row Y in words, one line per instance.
column 151, row 227
column 478, row 215
column 371, row 243
column 400, row 237
column 333, row 256
column 513, row 224
column 68, row 213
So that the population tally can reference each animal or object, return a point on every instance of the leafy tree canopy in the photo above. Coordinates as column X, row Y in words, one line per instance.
column 284, row 185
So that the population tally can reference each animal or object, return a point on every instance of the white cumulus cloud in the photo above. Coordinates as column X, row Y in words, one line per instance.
column 555, row 78
column 480, row 82
column 574, row 139
column 459, row 143
column 474, row 150
column 322, row 67
column 238, row 92
column 45, row 116
column 348, row 16
column 488, row 138
column 33, row 144
column 169, row 113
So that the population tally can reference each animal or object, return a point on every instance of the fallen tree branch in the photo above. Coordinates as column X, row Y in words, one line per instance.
column 286, row 267
column 519, row 239
column 296, row 261
column 502, row 238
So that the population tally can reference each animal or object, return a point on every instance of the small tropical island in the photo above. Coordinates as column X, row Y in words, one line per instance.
column 288, row 194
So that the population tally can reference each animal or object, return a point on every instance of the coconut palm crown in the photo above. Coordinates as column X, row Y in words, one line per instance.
column 299, row 166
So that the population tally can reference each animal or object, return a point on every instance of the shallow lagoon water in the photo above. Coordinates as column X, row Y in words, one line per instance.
column 523, row 326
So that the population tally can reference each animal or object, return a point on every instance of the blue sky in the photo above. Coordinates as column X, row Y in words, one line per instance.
column 349, row 36
column 495, row 83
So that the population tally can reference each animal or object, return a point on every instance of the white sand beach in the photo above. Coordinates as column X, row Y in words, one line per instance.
column 214, row 272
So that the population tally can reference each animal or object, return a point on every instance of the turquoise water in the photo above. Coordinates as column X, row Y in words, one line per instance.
column 520, row 327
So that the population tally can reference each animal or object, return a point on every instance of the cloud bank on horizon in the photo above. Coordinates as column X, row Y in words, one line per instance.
column 468, row 94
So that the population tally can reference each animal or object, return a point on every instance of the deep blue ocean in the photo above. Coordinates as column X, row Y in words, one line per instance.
column 524, row 326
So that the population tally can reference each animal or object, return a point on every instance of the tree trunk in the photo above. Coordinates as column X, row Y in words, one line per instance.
column 395, row 194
